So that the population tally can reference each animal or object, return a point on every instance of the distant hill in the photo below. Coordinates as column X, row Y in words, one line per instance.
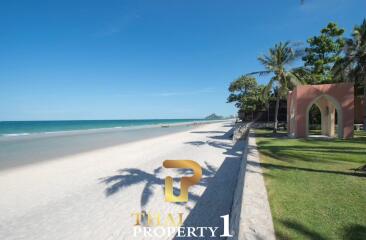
column 214, row 117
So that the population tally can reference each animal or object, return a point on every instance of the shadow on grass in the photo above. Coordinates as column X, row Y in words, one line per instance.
column 271, row 135
column 358, row 140
column 312, row 150
column 300, row 229
column 281, row 155
column 359, row 137
column 318, row 154
column 351, row 232
column 354, row 232
column 289, row 168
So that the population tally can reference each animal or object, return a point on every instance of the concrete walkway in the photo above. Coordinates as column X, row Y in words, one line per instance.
column 255, row 217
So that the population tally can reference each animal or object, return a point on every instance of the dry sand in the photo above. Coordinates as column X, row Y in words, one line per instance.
column 92, row 195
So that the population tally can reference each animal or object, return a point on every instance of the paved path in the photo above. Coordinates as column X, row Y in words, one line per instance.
column 92, row 195
column 256, row 218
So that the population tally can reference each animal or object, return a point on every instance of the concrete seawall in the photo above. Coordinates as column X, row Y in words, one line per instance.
column 251, row 215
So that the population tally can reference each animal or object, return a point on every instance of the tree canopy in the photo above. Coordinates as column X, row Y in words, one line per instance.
column 323, row 52
column 329, row 58
column 247, row 94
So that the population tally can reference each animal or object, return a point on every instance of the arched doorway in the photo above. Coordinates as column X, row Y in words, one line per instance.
column 336, row 104
column 315, row 120
column 330, row 123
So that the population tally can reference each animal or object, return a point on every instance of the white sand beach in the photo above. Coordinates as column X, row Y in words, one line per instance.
column 91, row 195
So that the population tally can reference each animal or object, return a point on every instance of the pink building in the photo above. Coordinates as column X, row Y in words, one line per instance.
column 331, row 99
column 359, row 109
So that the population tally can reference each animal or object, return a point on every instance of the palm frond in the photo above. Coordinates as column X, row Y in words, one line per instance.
column 269, row 86
column 295, row 80
column 260, row 73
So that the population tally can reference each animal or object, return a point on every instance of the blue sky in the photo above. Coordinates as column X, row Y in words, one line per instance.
column 144, row 58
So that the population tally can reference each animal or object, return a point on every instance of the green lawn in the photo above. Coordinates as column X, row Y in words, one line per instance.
column 313, row 191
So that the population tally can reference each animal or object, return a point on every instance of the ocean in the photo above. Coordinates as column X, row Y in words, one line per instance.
column 17, row 128
column 23, row 143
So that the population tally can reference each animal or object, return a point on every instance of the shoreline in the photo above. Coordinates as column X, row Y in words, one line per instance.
column 25, row 150
column 104, row 129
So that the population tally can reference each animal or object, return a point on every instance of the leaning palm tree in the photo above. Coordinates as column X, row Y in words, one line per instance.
column 277, row 62
column 352, row 68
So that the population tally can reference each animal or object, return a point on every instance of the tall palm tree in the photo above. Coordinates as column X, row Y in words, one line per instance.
column 352, row 68
column 277, row 62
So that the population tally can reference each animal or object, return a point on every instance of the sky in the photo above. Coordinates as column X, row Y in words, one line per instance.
column 141, row 59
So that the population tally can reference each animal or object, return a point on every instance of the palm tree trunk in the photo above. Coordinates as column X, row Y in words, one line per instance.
column 276, row 113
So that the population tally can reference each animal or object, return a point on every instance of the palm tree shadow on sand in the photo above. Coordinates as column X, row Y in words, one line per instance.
column 131, row 176
column 217, row 199
column 220, row 184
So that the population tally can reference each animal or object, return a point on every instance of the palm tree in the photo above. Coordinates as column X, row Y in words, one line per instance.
column 352, row 68
column 277, row 62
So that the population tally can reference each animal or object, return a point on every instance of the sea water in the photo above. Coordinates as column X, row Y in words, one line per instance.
column 21, row 128
column 25, row 143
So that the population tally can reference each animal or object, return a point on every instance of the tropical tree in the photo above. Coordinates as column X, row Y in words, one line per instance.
column 247, row 95
column 277, row 62
column 352, row 67
column 323, row 52
column 241, row 90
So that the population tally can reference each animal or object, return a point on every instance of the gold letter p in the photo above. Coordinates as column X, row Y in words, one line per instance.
column 185, row 183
